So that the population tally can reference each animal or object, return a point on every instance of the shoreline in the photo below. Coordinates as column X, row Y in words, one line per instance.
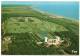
column 51, row 14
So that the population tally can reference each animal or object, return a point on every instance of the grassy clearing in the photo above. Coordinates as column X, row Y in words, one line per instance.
column 14, row 25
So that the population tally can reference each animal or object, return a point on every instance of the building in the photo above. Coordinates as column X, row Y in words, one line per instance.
column 50, row 41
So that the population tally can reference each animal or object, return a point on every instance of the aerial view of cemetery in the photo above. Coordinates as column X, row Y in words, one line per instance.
column 27, row 31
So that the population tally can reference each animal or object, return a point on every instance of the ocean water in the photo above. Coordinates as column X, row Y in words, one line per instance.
column 66, row 9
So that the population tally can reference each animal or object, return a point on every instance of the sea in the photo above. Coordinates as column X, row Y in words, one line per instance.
column 66, row 9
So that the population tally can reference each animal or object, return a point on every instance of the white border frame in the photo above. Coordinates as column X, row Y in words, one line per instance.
column 39, row 0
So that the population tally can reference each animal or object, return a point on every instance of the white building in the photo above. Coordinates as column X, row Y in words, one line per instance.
column 46, row 39
column 56, row 41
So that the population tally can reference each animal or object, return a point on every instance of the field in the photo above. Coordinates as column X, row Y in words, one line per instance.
column 23, row 27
